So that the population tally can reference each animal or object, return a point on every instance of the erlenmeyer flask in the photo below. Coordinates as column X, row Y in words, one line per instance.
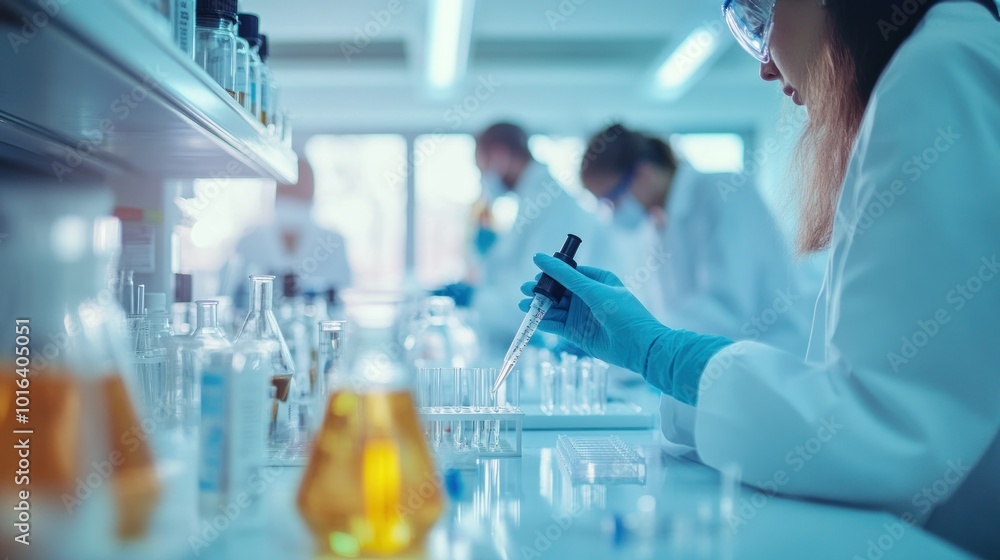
column 261, row 326
column 370, row 487
column 66, row 415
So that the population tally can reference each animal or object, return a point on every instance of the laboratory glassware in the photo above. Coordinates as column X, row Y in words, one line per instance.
column 370, row 457
column 159, row 387
column 572, row 385
column 461, row 416
column 268, row 89
column 215, row 41
column 182, row 23
column 547, row 293
column 431, row 343
column 61, row 377
column 232, row 410
column 249, row 31
column 243, row 84
column 600, row 460
column 182, row 311
column 126, row 291
column 302, row 398
column 189, row 353
column 329, row 364
column 261, row 325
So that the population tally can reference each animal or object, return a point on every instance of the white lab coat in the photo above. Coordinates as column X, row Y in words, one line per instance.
column 319, row 258
column 898, row 404
column 546, row 214
column 726, row 270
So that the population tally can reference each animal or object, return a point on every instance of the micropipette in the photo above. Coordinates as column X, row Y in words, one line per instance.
column 547, row 293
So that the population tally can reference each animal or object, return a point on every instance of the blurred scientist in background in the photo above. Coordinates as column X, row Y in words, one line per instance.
column 715, row 255
column 291, row 244
column 706, row 253
column 546, row 212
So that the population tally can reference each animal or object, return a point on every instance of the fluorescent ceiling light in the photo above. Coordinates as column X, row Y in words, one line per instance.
column 694, row 52
column 448, row 35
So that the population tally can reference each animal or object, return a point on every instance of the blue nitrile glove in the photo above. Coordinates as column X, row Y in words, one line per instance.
column 485, row 239
column 460, row 292
column 602, row 317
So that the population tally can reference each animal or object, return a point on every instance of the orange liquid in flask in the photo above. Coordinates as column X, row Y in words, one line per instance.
column 370, row 488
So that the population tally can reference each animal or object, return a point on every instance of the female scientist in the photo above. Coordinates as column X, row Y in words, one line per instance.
column 897, row 405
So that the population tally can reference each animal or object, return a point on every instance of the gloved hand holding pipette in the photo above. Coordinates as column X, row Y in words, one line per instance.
column 602, row 317
column 547, row 292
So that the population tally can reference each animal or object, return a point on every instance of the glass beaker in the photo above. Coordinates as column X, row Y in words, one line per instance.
column 330, row 361
column 91, row 475
column 261, row 325
column 370, row 487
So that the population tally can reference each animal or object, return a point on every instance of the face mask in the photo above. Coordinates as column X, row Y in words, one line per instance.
column 493, row 186
column 629, row 213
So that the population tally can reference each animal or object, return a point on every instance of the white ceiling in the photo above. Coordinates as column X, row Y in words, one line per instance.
column 558, row 66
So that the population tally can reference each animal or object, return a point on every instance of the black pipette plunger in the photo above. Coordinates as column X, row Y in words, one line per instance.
column 547, row 286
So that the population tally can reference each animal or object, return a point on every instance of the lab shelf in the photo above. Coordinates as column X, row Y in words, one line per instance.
column 93, row 85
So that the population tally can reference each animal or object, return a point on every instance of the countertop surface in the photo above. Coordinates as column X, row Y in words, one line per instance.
column 528, row 507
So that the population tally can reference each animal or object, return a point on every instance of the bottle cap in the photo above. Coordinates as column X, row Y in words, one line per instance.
column 249, row 28
column 289, row 285
column 225, row 9
column 182, row 288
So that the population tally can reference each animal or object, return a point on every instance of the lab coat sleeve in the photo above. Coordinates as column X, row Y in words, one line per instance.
column 909, row 387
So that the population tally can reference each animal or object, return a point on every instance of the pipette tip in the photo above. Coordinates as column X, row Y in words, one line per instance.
column 504, row 372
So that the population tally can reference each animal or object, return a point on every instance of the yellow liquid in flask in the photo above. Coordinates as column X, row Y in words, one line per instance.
column 370, row 488
column 57, row 413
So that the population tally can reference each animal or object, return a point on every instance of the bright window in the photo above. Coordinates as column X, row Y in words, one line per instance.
column 447, row 186
column 711, row 153
column 361, row 193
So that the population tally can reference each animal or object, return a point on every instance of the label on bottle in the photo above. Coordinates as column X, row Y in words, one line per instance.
column 247, row 422
column 242, row 83
column 213, row 431
column 182, row 19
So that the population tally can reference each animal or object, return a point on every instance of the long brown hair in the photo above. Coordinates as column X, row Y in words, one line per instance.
column 861, row 37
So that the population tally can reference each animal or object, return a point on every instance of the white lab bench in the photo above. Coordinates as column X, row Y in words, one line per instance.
column 527, row 508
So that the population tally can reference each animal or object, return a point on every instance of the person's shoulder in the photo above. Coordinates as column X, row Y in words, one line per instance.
column 957, row 45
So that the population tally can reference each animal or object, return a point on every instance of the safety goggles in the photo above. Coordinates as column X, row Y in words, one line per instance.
column 751, row 22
